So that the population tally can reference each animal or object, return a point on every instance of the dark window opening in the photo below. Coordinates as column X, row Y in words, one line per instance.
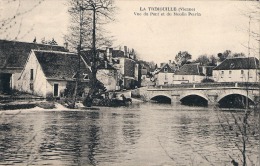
column 31, row 74
column 86, row 77
column 31, row 86
column 56, row 90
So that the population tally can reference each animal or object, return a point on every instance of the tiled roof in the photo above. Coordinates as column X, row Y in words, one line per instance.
column 238, row 63
column 60, row 65
column 190, row 69
column 13, row 54
column 118, row 53
column 105, row 66
column 170, row 69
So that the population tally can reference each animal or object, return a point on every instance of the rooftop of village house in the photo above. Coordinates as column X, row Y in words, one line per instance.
column 60, row 65
column 13, row 54
column 190, row 69
column 238, row 63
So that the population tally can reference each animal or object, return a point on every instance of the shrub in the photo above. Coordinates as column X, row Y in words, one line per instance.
column 49, row 96
column 205, row 80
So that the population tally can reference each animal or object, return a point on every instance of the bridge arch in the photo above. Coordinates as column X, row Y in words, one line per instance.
column 194, row 98
column 235, row 99
column 242, row 93
column 194, row 94
column 161, row 98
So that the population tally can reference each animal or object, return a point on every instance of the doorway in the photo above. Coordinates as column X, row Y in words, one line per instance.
column 56, row 90
column 5, row 82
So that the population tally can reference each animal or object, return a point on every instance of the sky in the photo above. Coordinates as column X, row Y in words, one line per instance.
column 219, row 26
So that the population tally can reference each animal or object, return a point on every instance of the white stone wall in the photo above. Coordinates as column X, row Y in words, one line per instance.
column 235, row 75
column 39, row 79
column 108, row 78
column 14, row 80
column 50, row 87
column 171, row 78
column 187, row 79
column 164, row 78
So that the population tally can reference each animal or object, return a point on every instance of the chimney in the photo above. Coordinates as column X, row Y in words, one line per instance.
column 107, row 53
column 105, row 64
column 110, row 55
column 128, row 53
column 66, row 45
column 125, row 49
column 133, row 52
column 170, row 61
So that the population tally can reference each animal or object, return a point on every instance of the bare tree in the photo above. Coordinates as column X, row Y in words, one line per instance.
column 11, row 19
column 245, row 126
column 87, row 18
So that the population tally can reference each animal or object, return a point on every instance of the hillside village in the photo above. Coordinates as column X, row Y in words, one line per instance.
column 48, row 70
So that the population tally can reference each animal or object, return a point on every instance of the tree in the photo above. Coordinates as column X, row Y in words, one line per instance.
column 213, row 60
column 224, row 55
column 238, row 55
column 182, row 57
column 87, row 16
column 83, row 15
column 52, row 42
column 203, row 60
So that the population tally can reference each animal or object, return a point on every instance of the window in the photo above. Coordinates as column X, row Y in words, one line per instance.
column 165, row 69
column 74, row 76
column 31, row 74
column 166, row 77
column 230, row 72
column 242, row 71
column 86, row 77
column 222, row 72
column 31, row 86
column 56, row 90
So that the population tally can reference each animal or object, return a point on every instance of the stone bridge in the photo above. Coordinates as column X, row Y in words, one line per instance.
column 211, row 93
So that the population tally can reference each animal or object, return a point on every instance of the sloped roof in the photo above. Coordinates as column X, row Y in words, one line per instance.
column 118, row 53
column 190, row 69
column 105, row 66
column 13, row 54
column 170, row 70
column 60, row 65
column 238, row 63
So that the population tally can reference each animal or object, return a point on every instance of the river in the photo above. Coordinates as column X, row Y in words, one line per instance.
column 142, row 134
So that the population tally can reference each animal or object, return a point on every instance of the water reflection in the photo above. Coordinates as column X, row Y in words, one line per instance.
column 145, row 134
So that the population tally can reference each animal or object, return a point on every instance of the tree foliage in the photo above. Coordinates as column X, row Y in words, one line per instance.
column 182, row 57
column 203, row 60
column 206, row 60
column 229, row 54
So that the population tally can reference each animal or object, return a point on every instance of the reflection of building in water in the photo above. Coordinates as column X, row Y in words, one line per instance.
column 130, row 131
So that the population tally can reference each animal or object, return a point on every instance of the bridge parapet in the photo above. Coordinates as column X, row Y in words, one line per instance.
column 220, row 85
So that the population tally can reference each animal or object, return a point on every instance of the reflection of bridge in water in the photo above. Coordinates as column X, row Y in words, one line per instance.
column 205, row 93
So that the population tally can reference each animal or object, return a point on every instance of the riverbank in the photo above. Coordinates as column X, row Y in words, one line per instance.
column 42, row 104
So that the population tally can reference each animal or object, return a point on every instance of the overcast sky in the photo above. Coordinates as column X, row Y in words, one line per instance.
column 219, row 27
